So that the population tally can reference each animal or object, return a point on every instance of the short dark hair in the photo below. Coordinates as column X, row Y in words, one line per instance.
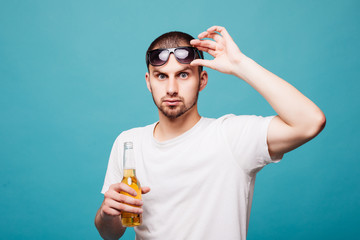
column 172, row 40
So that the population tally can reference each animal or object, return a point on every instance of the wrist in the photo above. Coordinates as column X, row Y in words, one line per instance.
column 243, row 67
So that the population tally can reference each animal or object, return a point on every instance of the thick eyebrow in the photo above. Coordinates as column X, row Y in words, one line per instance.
column 156, row 71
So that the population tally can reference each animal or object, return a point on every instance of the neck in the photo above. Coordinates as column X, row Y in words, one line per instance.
column 168, row 128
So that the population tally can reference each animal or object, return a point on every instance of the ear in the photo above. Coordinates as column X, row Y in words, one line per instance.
column 203, row 80
column 147, row 78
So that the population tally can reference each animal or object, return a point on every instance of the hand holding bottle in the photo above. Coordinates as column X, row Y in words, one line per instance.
column 116, row 202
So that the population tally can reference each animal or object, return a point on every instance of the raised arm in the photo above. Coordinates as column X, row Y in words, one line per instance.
column 299, row 119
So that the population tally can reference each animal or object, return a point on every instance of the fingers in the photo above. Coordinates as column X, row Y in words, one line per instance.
column 208, row 50
column 145, row 190
column 205, row 44
column 218, row 33
column 202, row 62
column 118, row 187
column 114, row 208
column 115, row 202
column 213, row 32
column 217, row 37
column 108, row 211
column 218, row 29
column 121, row 198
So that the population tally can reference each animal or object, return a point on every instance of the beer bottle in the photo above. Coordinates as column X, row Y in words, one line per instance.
column 130, row 219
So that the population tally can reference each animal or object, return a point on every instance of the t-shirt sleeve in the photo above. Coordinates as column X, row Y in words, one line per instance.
column 247, row 139
column 115, row 169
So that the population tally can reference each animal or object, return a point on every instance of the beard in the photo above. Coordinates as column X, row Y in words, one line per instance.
column 173, row 112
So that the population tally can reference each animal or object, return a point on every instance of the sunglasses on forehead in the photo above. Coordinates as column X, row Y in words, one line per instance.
column 183, row 55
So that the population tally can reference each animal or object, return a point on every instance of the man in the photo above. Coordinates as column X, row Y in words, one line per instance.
column 202, row 171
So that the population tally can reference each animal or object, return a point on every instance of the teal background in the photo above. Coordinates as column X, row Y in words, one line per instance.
column 67, row 91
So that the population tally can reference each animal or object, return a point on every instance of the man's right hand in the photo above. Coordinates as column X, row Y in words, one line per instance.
column 115, row 202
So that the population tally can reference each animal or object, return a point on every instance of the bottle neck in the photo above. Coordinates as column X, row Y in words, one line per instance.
column 129, row 159
column 129, row 173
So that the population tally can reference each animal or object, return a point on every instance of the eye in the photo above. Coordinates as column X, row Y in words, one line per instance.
column 161, row 76
column 183, row 75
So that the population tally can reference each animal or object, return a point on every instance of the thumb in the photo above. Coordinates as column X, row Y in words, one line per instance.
column 202, row 62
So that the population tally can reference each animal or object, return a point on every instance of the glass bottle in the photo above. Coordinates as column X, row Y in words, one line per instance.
column 129, row 177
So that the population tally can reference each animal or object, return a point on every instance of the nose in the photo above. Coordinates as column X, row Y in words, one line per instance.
column 172, row 86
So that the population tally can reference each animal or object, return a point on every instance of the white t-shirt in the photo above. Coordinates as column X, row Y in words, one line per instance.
column 201, row 182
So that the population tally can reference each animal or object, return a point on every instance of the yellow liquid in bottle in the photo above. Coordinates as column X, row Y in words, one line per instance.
column 131, row 219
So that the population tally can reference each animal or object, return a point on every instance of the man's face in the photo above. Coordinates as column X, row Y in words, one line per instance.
column 175, row 87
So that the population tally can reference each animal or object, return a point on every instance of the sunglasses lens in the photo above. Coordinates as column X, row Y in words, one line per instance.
column 185, row 55
column 158, row 57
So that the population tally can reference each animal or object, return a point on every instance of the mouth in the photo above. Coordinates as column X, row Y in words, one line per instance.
column 172, row 102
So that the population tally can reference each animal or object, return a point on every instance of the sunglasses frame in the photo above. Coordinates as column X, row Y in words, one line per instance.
column 172, row 50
